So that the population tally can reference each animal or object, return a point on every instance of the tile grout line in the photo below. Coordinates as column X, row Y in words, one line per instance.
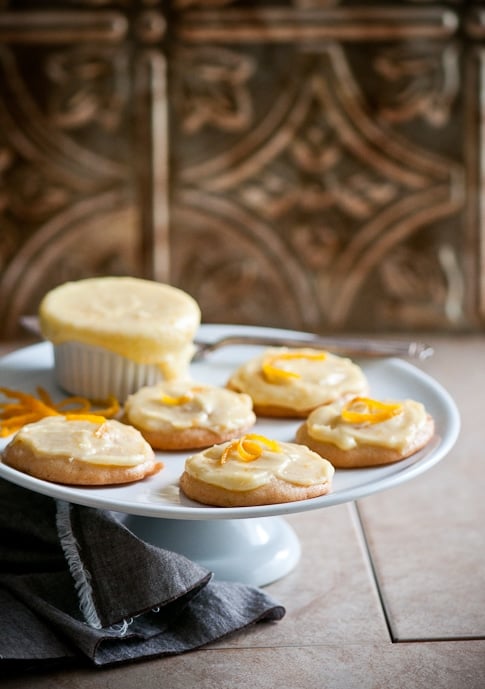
column 440, row 639
column 361, row 535
column 360, row 532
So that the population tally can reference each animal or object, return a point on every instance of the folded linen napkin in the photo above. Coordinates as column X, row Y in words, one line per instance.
column 77, row 585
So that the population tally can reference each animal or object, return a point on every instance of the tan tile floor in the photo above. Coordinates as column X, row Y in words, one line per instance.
column 389, row 592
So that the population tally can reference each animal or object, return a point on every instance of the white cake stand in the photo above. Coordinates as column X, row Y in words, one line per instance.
column 253, row 545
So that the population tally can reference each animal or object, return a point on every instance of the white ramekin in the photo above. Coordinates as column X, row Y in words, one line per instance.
column 97, row 373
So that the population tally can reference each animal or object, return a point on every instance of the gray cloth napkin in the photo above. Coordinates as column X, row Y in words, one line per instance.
column 77, row 585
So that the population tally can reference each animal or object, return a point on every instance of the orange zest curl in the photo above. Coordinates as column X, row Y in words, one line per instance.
column 181, row 399
column 275, row 374
column 249, row 447
column 366, row 410
column 30, row 408
column 176, row 401
column 94, row 418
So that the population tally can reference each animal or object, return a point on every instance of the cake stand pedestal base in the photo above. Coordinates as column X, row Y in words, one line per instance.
column 255, row 551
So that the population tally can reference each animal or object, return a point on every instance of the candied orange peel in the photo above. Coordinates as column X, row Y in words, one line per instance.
column 367, row 410
column 179, row 400
column 275, row 374
column 28, row 408
column 249, row 447
column 176, row 401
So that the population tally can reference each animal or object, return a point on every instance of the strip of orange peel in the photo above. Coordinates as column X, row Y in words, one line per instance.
column 249, row 447
column 176, row 401
column 94, row 418
column 371, row 411
column 181, row 399
column 274, row 374
column 30, row 408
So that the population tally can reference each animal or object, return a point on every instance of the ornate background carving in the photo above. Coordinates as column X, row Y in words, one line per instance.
column 311, row 164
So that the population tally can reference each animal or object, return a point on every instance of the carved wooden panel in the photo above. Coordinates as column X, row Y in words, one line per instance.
column 312, row 164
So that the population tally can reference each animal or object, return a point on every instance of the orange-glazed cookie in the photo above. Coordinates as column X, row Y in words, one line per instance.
column 81, row 452
column 292, row 382
column 180, row 415
column 255, row 470
column 366, row 432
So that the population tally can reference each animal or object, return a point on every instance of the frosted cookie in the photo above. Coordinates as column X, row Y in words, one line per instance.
column 184, row 415
column 366, row 432
column 81, row 452
column 291, row 383
column 255, row 470
column 112, row 335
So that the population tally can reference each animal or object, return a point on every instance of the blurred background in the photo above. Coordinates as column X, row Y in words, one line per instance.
column 310, row 164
